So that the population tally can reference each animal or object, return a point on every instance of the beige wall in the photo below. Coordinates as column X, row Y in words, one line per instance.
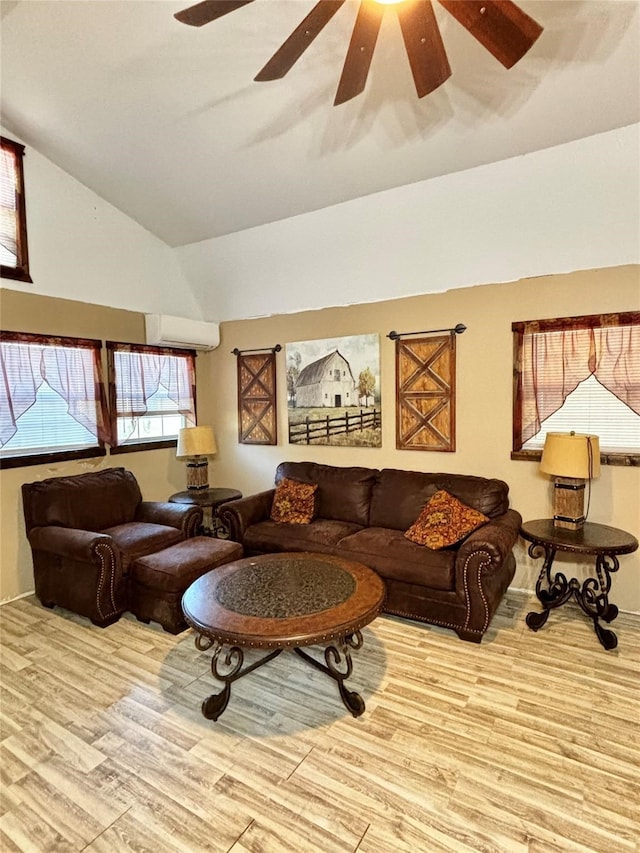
column 484, row 399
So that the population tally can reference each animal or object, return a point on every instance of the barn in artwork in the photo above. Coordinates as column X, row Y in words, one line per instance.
column 326, row 382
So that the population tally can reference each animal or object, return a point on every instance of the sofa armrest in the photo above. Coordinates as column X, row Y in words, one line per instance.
column 484, row 568
column 185, row 517
column 495, row 539
column 68, row 542
column 240, row 514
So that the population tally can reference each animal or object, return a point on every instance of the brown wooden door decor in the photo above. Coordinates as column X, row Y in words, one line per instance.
column 425, row 393
column 257, row 415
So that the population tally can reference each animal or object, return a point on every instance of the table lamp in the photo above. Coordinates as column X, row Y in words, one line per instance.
column 571, row 459
column 195, row 444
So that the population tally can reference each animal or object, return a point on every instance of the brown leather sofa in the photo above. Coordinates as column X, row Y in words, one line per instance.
column 362, row 514
column 85, row 532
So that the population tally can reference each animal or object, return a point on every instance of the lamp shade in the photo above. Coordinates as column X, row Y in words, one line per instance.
column 570, row 454
column 196, row 441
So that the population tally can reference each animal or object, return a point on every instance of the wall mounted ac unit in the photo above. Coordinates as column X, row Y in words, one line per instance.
column 166, row 331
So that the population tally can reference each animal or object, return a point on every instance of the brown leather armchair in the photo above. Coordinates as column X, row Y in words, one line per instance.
column 86, row 530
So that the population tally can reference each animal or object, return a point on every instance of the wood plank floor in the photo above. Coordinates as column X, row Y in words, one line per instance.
column 527, row 743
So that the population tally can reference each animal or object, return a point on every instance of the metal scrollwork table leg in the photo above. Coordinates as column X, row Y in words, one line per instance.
column 229, row 668
column 232, row 662
column 592, row 596
column 333, row 661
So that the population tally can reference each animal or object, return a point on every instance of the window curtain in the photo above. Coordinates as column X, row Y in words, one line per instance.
column 555, row 361
column 141, row 372
column 69, row 368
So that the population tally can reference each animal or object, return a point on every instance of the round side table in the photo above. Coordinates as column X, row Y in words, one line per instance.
column 208, row 499
column 604, row 543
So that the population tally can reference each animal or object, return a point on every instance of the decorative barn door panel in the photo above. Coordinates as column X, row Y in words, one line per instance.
column 257, row 420
column 425, row 393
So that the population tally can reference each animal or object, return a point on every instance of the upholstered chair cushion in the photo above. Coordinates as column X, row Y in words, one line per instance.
column 137, row 539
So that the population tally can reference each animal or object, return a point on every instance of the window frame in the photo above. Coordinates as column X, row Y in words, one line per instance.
column 21, row 270
column 527, row 327
column 112, row 347
column 54, row 456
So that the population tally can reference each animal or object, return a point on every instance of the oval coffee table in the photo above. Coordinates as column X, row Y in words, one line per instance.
column 282, row 601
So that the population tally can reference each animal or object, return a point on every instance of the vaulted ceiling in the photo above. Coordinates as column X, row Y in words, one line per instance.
column 165, row 122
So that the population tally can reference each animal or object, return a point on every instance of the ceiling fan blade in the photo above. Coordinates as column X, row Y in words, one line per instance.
column 299, row 40
column 360, row 53
column 425, row 49
column 209, row 10
column 502, row 27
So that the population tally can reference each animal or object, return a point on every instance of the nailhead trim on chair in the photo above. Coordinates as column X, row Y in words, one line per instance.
column 100, row 549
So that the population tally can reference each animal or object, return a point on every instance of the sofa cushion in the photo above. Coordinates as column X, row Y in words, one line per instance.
column 444, row 521
column 394, row 557
column 343, row 494
column 140, row 538
column 399, row 496
column 294, row 502
column 321, row 535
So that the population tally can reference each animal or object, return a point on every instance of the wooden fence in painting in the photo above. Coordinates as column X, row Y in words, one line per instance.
column 323, row 428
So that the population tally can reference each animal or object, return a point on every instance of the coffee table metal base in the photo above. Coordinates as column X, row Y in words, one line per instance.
column 228, row 667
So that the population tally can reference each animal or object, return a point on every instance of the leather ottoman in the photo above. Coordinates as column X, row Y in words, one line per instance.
column 158, row 581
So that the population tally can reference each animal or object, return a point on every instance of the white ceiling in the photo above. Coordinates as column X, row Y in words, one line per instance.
column 163, row 120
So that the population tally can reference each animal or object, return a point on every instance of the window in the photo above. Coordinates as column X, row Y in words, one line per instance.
column 52, row 401
column 14, row 256
column 151, row 395
column 582, row 374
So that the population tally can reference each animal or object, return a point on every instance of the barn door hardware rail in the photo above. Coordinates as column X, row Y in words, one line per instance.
column 237, row 351
column 459, row 329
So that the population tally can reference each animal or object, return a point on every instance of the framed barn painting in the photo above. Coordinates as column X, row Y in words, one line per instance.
column 333, row 391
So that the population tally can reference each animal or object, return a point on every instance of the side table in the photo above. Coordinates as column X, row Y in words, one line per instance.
column 598, row 540
column 209, row 499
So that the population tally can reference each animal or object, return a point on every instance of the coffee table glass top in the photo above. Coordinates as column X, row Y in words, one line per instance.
column 281, row 589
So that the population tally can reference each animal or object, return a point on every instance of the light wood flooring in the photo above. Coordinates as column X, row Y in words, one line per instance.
column 527, row 743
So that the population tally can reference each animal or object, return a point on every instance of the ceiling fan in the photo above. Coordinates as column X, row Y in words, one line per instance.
column 499, row 25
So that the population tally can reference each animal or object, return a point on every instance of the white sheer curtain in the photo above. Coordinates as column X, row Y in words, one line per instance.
column 71, row 371
column 140, row 374
column 8, row 211
column 554, row 363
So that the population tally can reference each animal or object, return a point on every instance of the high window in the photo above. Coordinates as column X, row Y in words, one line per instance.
column 14, row 255
column 52, row 400
column 581, row 374
column 151, row 395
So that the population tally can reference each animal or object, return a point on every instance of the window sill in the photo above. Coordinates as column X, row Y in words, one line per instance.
column 50, row 458
column 144, row 445
column 16, row 273
column 626, row 460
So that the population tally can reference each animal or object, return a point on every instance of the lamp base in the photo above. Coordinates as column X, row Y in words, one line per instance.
column 568, row 503
column 198, row 474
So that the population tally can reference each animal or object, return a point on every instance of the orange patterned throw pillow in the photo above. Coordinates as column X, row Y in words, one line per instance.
column 293, row 502
column 444, row 520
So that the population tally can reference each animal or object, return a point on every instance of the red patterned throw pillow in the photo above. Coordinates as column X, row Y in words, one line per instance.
column 444, row 520
column 293, row 502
